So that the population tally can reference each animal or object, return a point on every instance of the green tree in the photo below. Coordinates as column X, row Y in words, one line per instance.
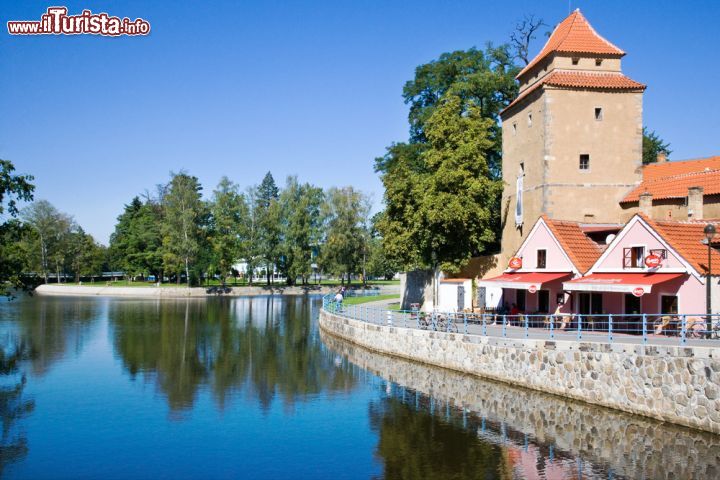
column 268, row 223
column 13, row 188
column 344, row 211
column 652, row 145
column 301, row 206
column 136, row 244
column 52, row 228
column 229, row 215
column 184, row 214
column 86, row 255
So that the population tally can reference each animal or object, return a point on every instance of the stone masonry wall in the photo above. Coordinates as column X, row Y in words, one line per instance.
column 674, row 384
column 603, row 436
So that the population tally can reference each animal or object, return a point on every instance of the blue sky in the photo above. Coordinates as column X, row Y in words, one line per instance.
column 307, row 88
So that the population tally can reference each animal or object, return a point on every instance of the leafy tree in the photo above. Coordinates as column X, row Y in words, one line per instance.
column 301, row 206
column 229, row 212
column 484, row 80
column 345, row 212
column 52, row 228
column 379, row 264
column 652, row 144
column 86, row 255
column 184, row 214
column 16, row 240
column 13, row 188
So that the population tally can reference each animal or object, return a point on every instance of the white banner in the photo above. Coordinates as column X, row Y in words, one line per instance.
column 519, row 201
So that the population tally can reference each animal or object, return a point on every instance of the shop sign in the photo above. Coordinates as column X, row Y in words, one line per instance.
column 532, row 288
column 638, row 291
column 515, row 263
column 653, row 261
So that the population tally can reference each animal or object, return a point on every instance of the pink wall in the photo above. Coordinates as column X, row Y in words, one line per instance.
column 542, row 239
column 637, row 235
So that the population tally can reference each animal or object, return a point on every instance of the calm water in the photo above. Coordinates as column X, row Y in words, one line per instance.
column 249, row 388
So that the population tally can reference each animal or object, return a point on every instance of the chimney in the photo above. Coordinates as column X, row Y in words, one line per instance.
column 661, row 157
column 695, row 203
column 646, row 204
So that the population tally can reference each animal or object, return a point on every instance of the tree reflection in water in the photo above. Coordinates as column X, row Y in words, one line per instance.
column 261, row 347
column 13, row 404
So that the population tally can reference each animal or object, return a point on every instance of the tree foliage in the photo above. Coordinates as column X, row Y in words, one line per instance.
column 229, row 227
column 135, row 245
column 652, row 145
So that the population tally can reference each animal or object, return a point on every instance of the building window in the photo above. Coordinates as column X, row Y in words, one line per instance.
column 529, row 119
column 514, row 128
column 598, row 113
column 590, row 304
column 669, row 304
column 575, row 60
column 598, row 62
column 633, row 257
column 542, row 258
column 584, row 161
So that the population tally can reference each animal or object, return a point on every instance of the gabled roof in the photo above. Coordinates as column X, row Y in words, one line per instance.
column 653, row 171
column 579, row 79
column 574, row 35
column 677, row 186
column 686, row 239
column 581, row 250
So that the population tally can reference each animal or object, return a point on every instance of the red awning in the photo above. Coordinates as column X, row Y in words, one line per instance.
column 620, row 282
column 524, row 280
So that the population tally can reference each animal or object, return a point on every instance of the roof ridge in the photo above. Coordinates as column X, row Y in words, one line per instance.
column 609, row 43
column 682, row 175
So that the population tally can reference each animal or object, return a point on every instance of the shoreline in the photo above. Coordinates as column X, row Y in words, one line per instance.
column 184, row 292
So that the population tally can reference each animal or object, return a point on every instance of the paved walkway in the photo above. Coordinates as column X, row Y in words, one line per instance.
column 379, row 316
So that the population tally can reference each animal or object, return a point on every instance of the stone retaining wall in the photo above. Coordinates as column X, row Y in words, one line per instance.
column 633, row 446
column 674, row 384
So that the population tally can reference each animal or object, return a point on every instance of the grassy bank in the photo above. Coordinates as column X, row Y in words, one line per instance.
column 375, row 298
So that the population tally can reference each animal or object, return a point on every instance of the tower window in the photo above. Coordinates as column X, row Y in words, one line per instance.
column 541, row 258
column 529, row 119
column 514, row 128
column 598, row 113
column 584, row 161
column 575, row 60
column 598, row 62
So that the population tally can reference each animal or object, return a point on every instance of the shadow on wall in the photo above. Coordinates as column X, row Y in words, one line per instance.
column 415, row 287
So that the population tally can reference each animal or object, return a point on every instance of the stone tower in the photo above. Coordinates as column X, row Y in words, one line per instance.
column 572, row 139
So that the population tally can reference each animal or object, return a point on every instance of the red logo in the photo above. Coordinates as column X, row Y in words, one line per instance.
column 638, row 291
column 515, row 263
column 532, row 288
column 653, row 261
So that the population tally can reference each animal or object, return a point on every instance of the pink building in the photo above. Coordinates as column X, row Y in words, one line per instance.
column 650, row 267
column 554, row 252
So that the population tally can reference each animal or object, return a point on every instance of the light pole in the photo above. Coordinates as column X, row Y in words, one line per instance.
column 709, row 234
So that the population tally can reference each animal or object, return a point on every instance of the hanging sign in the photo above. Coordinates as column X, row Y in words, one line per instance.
column 519, row 201
column 532, row 288
column 638, row 291
column 515, row 263
column 653, row 261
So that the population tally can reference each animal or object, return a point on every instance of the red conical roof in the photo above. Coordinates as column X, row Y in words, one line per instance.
column 574, row 35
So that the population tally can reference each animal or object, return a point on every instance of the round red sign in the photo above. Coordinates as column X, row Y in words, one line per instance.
column 653, row 261
column 638, row 291
column 515, row 263
column 532, row 288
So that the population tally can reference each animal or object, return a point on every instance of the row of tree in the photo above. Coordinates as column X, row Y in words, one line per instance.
column 177, row 233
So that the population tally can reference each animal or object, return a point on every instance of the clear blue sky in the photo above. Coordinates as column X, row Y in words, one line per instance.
column 307, row 88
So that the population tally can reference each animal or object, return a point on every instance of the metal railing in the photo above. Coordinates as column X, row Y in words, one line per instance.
column 656, row 329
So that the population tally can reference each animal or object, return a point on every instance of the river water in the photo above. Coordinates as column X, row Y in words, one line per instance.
column 250, row 388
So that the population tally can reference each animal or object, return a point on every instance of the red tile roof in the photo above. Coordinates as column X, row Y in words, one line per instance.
column 574, row 35
column 583, row 252
column 686, row 239
column 579, row 79
column 677, row 186
column 654, row 171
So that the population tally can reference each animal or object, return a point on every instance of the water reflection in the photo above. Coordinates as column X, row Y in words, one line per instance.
column 14, row 406
column 439, row 423
column 261, row 347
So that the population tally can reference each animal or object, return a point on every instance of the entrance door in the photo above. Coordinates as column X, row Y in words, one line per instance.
column 460, row 298
column 543, row 301
column 520, row 299
column 481, row 292
column 632, row 323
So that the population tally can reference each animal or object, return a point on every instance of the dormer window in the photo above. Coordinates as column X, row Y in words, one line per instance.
column 575, row 60
column 598, row 62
